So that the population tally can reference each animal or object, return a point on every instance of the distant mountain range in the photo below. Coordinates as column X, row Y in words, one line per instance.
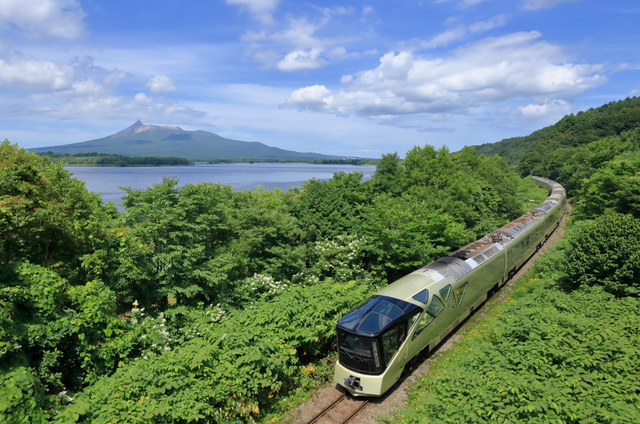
column 152, row 140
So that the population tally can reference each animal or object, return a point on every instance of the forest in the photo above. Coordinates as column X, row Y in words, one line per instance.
column 201, row 303
column 105, row 159
column 198, row 303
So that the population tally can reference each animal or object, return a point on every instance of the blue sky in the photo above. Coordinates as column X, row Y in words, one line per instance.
column 349, row 78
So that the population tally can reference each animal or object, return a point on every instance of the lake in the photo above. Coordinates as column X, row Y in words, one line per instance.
column 242, row 176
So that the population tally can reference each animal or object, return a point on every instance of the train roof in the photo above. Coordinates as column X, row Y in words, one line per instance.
column 375, row 315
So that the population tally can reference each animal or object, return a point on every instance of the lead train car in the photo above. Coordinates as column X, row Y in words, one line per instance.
column 378, row 338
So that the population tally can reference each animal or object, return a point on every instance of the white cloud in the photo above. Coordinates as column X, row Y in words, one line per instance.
column 454, row 34
column 301, row 60
column 21, row 71
column 556, row 107
column 481, row 74
column 481, row 26
column 260, row 10
column 297, row 48
column 543, row 4
column 444, row 38
column 160, row 84
column 49, row 18
column 311, row 98
column 79, row 88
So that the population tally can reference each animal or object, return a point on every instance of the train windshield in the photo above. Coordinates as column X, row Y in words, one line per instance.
column 358, row 353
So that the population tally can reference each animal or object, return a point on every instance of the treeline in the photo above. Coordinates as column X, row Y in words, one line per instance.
column 200, row 303
column 105, row 159
column 312, row 162
column 564, row 346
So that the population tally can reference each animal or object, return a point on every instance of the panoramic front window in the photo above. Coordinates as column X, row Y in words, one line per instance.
column 360, row 354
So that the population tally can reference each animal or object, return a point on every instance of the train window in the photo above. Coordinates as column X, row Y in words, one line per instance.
column 459, row 292
column 436, row 306
column 373, row 322
column 444, row 292
column 388, row 309
column 450, row 297
column 390, row 344
column 380, row 316
column 424, row 321
column 422, row 297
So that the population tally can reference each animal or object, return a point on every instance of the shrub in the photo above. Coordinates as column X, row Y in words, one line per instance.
column 233, row 370
column 605, row 251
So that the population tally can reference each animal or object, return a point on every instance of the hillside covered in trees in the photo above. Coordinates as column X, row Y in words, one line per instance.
column 204, row 304
column 609, row 120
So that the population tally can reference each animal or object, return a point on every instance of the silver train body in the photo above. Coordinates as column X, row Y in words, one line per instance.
column 378, row 338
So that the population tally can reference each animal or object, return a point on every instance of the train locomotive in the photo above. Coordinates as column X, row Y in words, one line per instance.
column 386, row 332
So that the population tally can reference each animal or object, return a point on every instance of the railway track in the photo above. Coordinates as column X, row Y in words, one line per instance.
column 343, row 410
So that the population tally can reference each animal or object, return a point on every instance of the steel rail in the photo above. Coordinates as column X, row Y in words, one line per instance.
column 358, row 409
column 330, row 407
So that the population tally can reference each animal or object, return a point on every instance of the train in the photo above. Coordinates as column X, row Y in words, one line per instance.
column 384, row 334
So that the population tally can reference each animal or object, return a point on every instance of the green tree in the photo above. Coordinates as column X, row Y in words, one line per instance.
column 55, row 338
column 606, row 252
column 403, row 234
column 615, row 186
column 46, row 216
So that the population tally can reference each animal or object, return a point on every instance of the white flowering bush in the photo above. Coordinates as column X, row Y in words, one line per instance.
column 341, row 258
column 260, row 287
column 153, row 334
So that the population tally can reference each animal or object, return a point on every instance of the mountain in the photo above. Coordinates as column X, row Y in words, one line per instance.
column 152, row 140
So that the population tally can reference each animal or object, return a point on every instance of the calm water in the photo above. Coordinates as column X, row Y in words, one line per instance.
column 242, row 176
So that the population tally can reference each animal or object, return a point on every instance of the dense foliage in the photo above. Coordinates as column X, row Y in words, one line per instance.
column 233, row 369
column 104, row 312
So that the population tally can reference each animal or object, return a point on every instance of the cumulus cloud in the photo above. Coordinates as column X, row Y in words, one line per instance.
column 49, row 18
column 311, row 98
column 543, row 4
column 260, row 10
column 483, row 73
column 161, row 84
column 301, row 60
